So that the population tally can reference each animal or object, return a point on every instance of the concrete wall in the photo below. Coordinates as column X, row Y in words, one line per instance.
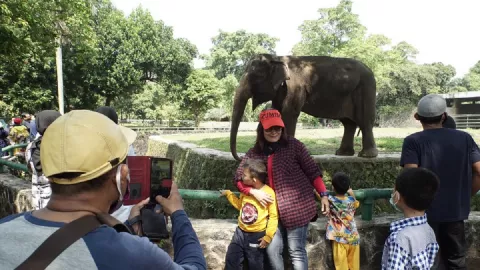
column 215, row 234
column 15, row 195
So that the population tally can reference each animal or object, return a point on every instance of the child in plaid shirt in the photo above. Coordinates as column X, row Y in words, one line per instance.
column 412, row 243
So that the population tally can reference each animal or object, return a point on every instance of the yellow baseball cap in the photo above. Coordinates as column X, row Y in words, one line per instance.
column 85, row 142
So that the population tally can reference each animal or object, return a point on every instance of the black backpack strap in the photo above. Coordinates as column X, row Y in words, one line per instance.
column 59, row 241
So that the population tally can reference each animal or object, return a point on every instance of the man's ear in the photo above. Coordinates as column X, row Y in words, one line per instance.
column 415, row 116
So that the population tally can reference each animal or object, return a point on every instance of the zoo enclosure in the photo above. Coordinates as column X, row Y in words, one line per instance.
column 464, row 107
column 367, row 196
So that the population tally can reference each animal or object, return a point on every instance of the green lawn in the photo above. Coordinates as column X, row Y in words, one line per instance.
column 318, row 141
column 316, row 146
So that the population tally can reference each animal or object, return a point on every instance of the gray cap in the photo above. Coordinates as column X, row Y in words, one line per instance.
column 431, row 105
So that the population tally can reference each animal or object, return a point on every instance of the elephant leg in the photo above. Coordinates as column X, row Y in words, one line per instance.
column 290, row 121
column 346, row 147
column 369, row 148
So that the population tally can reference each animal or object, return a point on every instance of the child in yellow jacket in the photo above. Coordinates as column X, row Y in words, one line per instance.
column 257, row 224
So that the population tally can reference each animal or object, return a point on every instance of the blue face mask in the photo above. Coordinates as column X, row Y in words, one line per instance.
column 394, row 204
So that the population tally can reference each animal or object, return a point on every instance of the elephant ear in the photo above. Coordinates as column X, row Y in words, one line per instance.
column 280, row 73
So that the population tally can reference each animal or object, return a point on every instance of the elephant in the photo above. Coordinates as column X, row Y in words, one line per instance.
column 322, row 86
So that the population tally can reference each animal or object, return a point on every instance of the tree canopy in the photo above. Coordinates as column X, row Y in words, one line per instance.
column 135, row 63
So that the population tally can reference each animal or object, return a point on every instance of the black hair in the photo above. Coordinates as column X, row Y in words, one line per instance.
column 87, row 186
column 418, row 187
column 449, row 122
column 108, row 112
column 430, row 120
column 257, row 169
column 341, row 182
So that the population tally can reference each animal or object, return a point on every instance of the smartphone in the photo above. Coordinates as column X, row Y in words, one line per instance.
column 160, row 178
column 149, row 177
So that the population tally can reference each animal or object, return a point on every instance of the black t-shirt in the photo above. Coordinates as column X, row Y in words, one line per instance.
column 450, row 154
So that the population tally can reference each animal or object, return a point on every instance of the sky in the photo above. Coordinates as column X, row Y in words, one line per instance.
column 442, row 30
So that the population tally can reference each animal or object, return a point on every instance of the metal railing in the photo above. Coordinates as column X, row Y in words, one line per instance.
column 464, row 121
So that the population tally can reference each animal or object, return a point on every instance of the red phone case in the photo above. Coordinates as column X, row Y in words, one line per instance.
column 140, row 178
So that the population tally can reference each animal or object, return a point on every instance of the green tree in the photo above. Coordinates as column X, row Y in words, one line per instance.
column 400, row 82
column 472, row 78
column 28, row 39
column 229, row 85
column 331, row 32
column 231, row 51
column 202, row 93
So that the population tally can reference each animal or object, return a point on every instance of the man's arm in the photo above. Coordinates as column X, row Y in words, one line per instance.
column 410, row 154
column 475, row 158
column 476, row 178
column 187, row 250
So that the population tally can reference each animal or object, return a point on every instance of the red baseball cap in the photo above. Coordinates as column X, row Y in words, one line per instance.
column 270, row 118
column 17, row 121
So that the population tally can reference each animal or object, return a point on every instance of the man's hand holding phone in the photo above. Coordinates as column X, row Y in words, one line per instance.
column 173, row 203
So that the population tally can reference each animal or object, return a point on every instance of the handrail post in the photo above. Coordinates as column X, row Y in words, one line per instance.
column 367, row 206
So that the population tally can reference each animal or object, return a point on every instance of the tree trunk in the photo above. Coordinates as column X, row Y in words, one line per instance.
column 108, row 101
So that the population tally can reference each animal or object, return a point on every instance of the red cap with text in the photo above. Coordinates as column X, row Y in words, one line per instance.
column 270, row 118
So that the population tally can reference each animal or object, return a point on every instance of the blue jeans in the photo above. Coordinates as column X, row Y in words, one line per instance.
column 296, row 240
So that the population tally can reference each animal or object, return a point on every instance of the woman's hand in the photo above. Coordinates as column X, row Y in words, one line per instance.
column 325, row 205
column 262, row 197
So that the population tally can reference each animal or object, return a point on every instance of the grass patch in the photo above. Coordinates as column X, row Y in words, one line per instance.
column 316, row 146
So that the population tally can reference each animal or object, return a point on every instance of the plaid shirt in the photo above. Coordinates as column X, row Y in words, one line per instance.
column 410, row 245
column 294, row 171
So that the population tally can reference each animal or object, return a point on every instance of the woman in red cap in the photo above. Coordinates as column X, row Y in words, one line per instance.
column 294, row 175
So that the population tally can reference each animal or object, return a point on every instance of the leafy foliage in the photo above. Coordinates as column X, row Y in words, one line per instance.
column 231, row 51
column 202, row 93
column 400, row 81
column 105, row 54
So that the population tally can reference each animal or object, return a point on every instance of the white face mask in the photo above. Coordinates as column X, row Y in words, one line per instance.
column 121, row 197
column 392, row 201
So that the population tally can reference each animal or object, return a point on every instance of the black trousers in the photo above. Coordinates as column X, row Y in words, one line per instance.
column 244, row 246
column 453, row 246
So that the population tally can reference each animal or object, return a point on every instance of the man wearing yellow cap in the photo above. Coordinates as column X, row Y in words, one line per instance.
column 83, row 154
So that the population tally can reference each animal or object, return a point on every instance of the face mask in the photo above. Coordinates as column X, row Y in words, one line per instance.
column 394, row 204
column 121, row 196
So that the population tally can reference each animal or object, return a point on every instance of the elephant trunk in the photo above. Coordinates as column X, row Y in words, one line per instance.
column 242, row 94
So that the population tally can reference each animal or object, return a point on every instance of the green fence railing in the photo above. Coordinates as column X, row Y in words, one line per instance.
column 9, row 149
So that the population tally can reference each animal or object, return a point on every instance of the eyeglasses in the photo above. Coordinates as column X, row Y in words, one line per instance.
column 273, row 129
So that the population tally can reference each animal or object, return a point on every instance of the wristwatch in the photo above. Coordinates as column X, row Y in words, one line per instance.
column 323, row 194
column 129, row 223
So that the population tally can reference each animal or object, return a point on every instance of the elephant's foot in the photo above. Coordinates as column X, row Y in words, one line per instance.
column 368, row 153
column 345, row 152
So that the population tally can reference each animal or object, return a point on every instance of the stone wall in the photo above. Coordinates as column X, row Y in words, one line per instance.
column 215, row 235
column 208, row 169
column 15, row 195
